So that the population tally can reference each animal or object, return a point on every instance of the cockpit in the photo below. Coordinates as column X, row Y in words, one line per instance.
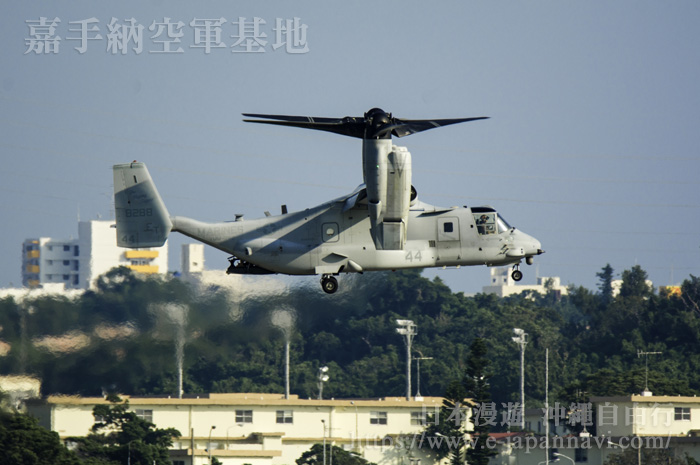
column 488, row 221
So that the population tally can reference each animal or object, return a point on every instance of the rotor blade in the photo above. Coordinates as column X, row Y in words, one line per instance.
column 375, row 124
column 309, row 119
column 408, row 126
column 345, row 128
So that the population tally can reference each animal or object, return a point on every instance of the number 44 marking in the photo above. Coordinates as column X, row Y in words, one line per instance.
column 410, row 256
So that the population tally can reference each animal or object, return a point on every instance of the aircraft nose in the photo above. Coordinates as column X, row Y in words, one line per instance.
column 529, row 244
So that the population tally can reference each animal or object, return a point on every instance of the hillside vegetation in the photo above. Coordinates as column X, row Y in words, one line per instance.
column 126, row 336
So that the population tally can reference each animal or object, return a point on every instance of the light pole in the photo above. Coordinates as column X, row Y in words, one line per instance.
column 357, row 431
column 322, row 378
column 639, row 450
column 324, row 441
column 407, row 328
column 520, row 338
column 286, row 366
column 228, row 444
column 565, row 456
column 128, row 460
column 209, row 443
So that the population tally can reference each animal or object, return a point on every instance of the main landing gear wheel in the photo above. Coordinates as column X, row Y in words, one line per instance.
column 517, row 275
column 329, row 284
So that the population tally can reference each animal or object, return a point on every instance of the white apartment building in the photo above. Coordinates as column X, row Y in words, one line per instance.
column 633, row 422
column 192, row 258
column 648, row 415
column 503, row 285
column 263, row 429
column 76, row 263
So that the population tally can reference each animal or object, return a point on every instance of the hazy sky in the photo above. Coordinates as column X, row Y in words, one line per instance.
column 592, row 145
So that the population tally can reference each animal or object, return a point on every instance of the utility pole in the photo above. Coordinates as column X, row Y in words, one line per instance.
column 407, row 328
column 546, row 405
column 520, row 338
column 286, row 366
column 418, row 359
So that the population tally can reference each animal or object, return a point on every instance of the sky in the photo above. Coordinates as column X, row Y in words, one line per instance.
column 591, row 146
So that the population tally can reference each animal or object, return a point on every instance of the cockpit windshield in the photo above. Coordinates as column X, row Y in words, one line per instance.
column 488, row 221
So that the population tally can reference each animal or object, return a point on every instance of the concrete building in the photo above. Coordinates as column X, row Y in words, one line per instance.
column 267, row 429
column 192, row 258
column 263, row 429
column 503, row 285
column 76, row 263
column 635, row 422
column 19, row 389
column 617, row 285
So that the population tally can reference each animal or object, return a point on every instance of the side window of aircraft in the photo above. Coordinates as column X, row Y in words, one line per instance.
column 330, row 232
column 485, row 223
column 448, row 227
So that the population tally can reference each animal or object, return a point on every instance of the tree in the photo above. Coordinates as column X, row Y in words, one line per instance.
column 605, row 277
column 120, row 436
column 476, row 383
column 634, row 283
column 24, row 442
column 314, row 456
column 447, row 428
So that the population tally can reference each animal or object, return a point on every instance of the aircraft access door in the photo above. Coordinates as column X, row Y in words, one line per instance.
column 448, row 243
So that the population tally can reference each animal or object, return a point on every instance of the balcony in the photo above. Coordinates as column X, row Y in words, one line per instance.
column 134, row 254
column 145, row 269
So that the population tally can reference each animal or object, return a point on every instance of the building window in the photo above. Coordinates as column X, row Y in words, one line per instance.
column 178, row 462
column 581, row 455
column 681, row 413
column 419, row 418
column 144, row 414
column 66, row 262
column 244, row 416
column 66, row 248
column 285, row 416
column 377, row 418
column 76, row 251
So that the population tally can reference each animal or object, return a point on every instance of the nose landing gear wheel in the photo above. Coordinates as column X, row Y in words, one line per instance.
column 517, row 275
column 329, row 284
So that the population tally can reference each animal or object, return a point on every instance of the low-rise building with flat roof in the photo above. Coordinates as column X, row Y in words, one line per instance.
column 263, row 429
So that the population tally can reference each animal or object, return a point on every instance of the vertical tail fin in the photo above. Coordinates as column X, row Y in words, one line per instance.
column 142, row 219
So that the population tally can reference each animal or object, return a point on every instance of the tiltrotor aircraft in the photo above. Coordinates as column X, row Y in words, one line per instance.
column 381, row 225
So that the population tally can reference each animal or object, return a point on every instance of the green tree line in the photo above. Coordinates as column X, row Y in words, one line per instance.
column 125, row 337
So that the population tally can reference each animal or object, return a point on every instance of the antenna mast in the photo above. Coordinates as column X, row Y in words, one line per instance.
column 646, row 367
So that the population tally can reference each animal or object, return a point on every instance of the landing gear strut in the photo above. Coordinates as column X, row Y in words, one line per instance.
column 329, row 284
column 517, row 275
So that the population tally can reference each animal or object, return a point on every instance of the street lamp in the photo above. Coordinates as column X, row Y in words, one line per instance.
column 407, row 328
column 520, row 338
column 209, row 443
column 565, row 456
column 228, row 444
column 324, row 441
column 322, row 378
column 639, row 450
column 128, row 460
